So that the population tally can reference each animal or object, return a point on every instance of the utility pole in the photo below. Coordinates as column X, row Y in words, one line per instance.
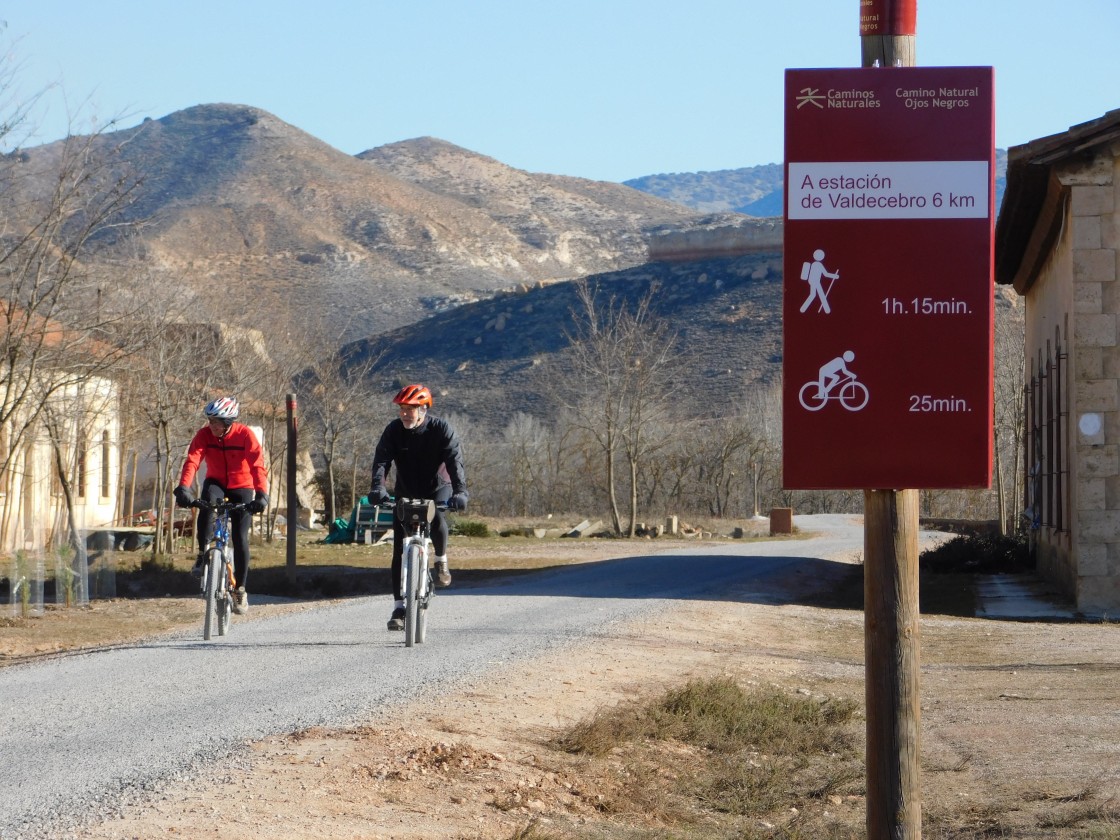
column 890, row 571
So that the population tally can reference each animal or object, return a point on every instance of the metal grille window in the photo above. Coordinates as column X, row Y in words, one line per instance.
column 106, row 451
column 80, row 470
column 1046, row 454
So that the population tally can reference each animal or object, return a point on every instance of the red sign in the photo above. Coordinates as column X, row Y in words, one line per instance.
column 888, row 292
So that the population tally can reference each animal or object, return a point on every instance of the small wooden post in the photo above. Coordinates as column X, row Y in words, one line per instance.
column 890, row 572
column 293, row 498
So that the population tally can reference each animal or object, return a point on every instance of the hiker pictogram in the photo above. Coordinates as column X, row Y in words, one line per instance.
column 813, row 272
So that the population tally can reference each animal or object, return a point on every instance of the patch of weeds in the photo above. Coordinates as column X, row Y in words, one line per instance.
column 469, row 528
column 157, row 564
column 712, row 752
column 719, row 715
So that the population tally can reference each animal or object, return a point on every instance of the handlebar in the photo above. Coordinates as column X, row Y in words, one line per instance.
column 392, row 503
column 224, row 506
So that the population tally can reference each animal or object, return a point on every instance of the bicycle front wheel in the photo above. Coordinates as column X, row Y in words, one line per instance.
column 414, row 564
column 224, row 603
column 422, row 608
column 213, row 572
column 854, row 395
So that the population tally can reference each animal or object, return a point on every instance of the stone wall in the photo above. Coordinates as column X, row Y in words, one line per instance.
column 1094, row 421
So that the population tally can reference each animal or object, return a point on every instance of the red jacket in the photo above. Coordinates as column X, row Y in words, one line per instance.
column 234, row 460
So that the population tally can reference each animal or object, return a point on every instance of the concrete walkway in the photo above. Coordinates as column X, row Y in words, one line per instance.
column 1021, row 597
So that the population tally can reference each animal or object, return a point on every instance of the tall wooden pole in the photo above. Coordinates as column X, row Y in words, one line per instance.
column 890, row 582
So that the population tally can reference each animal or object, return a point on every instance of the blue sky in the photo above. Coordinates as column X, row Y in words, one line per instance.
column 602, row 89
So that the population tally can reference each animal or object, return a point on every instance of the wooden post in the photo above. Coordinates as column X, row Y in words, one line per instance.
column 293, row 498
column 891, row 655
column 890, row 571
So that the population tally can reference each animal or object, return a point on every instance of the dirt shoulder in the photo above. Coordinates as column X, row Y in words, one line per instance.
column 1018, row 730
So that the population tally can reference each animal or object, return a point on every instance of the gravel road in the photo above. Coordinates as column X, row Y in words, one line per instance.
column 83, row 733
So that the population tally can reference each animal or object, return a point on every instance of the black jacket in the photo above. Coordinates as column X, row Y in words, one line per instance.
column 427, row 460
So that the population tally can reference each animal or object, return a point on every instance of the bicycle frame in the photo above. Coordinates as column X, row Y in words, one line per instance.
column 416, row 578
column 218, row 580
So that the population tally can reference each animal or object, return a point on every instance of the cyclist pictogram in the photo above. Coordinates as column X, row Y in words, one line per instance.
column 851, row 393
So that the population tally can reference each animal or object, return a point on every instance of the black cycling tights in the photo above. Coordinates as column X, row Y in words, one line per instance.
column 239, row 522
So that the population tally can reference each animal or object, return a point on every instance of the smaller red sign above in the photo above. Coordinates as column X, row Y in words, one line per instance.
column 888, row 17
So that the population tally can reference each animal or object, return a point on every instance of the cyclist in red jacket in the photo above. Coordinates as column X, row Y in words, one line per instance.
column 235, row 470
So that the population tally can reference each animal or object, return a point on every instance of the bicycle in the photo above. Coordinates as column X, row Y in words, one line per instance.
column 416, row 516
column 853, row 395
column 217, row 579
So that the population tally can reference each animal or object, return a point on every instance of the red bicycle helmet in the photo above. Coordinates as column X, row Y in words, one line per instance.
column 413, row 395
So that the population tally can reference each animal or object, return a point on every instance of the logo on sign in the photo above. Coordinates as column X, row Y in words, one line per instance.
column 810, row 96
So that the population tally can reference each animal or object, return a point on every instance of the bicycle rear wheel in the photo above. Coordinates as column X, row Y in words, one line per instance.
column 213, row 570
column 414, row 563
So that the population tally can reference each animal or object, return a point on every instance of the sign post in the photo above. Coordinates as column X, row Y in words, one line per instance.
column 889, row 314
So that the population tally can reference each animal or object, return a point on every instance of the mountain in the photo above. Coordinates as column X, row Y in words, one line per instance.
column 490, row 359
column 262, row 222
column 753, row 190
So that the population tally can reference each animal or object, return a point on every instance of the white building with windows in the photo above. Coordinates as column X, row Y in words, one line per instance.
column 71, row 448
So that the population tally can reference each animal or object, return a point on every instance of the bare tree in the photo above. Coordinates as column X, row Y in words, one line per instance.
column 1009, row 422
column 338, row 407
column 54, row 200
column 624, row 357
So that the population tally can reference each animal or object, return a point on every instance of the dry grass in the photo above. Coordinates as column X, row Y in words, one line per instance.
column 712, row 759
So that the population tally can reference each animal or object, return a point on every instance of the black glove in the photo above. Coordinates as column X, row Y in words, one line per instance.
column 457, row 502
column 258, row 504
column 379, row 496
column 184, row 498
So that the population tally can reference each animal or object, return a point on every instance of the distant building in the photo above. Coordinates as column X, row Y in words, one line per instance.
column 1057, row 241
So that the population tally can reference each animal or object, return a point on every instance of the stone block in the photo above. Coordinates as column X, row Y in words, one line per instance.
column 1091, row 494
column 1092, row 200
column 1087, row 298
column 1112, row 559
column 1098, row 526
column 1096, row 395
column 1099, row 597
column 1096, row 462
column 1092, row 559
column 1091, row 363
column 781, row 521
column 1087, row 232
column 1112, row 493
column 1095, row 330
column 1094, row 265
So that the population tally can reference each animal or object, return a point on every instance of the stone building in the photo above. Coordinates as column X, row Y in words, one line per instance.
column 1057, row 240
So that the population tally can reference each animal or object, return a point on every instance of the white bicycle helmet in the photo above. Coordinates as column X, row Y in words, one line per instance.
column 223, row 408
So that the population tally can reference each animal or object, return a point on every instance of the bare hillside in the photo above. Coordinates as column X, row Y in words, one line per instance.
column 261, row 220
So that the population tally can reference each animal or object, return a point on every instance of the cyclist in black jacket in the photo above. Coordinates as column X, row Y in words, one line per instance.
column 429, row 465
